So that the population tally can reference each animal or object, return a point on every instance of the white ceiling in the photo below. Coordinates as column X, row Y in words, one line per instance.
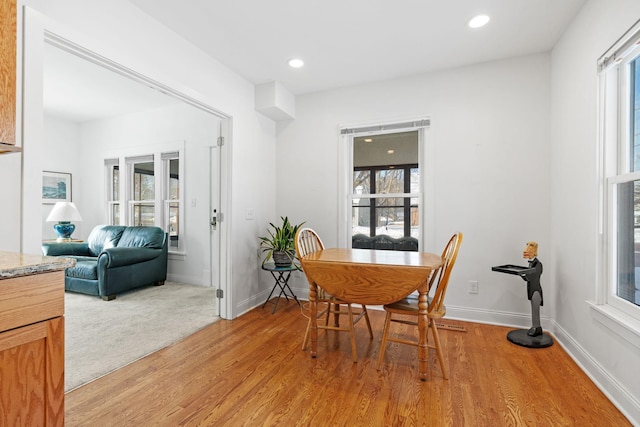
column 343, row 43
column 348, row 42
column 77, row 90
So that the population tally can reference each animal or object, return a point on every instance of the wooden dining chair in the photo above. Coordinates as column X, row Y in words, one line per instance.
column 308, row 241
column 436, row 310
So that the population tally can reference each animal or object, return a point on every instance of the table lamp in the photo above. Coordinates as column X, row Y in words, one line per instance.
column 63, row 213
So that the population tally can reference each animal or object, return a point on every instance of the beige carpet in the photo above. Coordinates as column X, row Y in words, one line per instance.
column 102, row 336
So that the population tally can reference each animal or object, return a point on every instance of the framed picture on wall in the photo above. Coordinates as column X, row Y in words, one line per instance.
column 56, row 187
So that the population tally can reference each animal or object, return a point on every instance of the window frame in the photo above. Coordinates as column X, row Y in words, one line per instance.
column 427, row 166
column 614, row 134
column 407, row 196
column 130, row 182
column 125, row 163
column 166, row 159
column 112, row 201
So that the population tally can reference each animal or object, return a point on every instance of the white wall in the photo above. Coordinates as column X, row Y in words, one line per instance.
column 163, row 129
column 515, row 146
column 118, row 31
column 515, row 161
column 10, row 194
column 608, row 357
column 61, row 152
column 490, row 130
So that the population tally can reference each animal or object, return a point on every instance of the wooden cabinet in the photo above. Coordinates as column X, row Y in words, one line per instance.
column 8, row 71
column 32, row 350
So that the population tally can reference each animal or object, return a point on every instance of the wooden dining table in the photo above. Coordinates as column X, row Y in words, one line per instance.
column 372, row 277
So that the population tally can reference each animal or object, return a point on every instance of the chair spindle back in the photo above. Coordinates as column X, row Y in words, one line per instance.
column 307, row 241
column 449, row 255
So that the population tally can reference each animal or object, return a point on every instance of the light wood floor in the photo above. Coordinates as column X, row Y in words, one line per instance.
column 251, row 371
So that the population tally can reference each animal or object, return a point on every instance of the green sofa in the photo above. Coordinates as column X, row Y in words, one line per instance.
column 114, row 259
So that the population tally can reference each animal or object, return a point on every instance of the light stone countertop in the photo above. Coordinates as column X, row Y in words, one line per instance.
column 13, row 264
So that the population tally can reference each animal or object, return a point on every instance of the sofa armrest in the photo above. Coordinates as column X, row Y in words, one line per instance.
column 117, row 257
column 65, row 248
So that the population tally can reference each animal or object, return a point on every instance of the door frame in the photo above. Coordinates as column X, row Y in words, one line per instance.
column 36, row 34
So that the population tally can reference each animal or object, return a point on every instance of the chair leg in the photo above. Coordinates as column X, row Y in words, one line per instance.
column 336, row 314
column 306, row 335
column 326, row 318
column 352, row 333
column 436, row 342
column 308, row 331
column 383, row 344
column 366, row 318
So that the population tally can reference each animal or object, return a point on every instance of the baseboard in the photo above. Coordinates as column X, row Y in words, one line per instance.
column 492, row 317
column 628, row 404
column 182, row 278
column 258, row 300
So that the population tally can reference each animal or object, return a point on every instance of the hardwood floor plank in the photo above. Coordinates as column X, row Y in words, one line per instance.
column 251, row 371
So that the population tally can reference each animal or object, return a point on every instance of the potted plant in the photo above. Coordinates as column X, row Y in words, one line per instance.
column 280, row 244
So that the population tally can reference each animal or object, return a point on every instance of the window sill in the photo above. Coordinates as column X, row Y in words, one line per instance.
column 617, row 321
column 177, row 256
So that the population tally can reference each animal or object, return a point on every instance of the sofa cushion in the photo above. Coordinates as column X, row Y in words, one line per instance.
column 142, row 237
column 65, row 248
column 84, row 270
column 103, row 237
column 82, row 258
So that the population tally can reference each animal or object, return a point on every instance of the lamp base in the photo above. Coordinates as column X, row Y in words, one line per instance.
column 64, row 229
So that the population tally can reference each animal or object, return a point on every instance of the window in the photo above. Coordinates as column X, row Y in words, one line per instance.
column 383, row 176
column 142, row 180
column 620, row 144
column 150, row 190
column 171, row 197
column 113, row 191
column 384, row 214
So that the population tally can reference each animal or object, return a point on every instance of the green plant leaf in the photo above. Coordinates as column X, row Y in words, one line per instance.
column 280, row 238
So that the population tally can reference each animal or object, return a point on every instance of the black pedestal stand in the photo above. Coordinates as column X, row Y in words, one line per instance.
column 520, row 337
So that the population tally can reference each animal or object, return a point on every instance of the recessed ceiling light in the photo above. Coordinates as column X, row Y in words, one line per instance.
column 390, row 151
column 296, row 63
column 478, row 21
column 368, row 140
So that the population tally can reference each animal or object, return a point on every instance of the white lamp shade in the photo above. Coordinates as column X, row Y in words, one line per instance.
column 64, row 211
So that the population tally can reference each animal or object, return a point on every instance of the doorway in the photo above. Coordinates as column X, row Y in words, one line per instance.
column 142, row 130
column 37, row 40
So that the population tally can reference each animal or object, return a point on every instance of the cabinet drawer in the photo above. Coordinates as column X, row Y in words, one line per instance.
column 30, row 299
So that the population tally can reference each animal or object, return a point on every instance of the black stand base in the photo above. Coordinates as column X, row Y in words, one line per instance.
column 520, row 337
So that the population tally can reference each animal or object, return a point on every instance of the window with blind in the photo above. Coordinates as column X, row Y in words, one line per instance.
column 141, row 178
column 148, row 193
column 113, row 191
column 619, row 79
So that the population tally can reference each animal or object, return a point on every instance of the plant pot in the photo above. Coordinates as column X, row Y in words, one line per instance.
column 281, row 259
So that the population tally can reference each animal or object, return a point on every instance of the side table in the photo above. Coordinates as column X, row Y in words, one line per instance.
column 281, row 276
